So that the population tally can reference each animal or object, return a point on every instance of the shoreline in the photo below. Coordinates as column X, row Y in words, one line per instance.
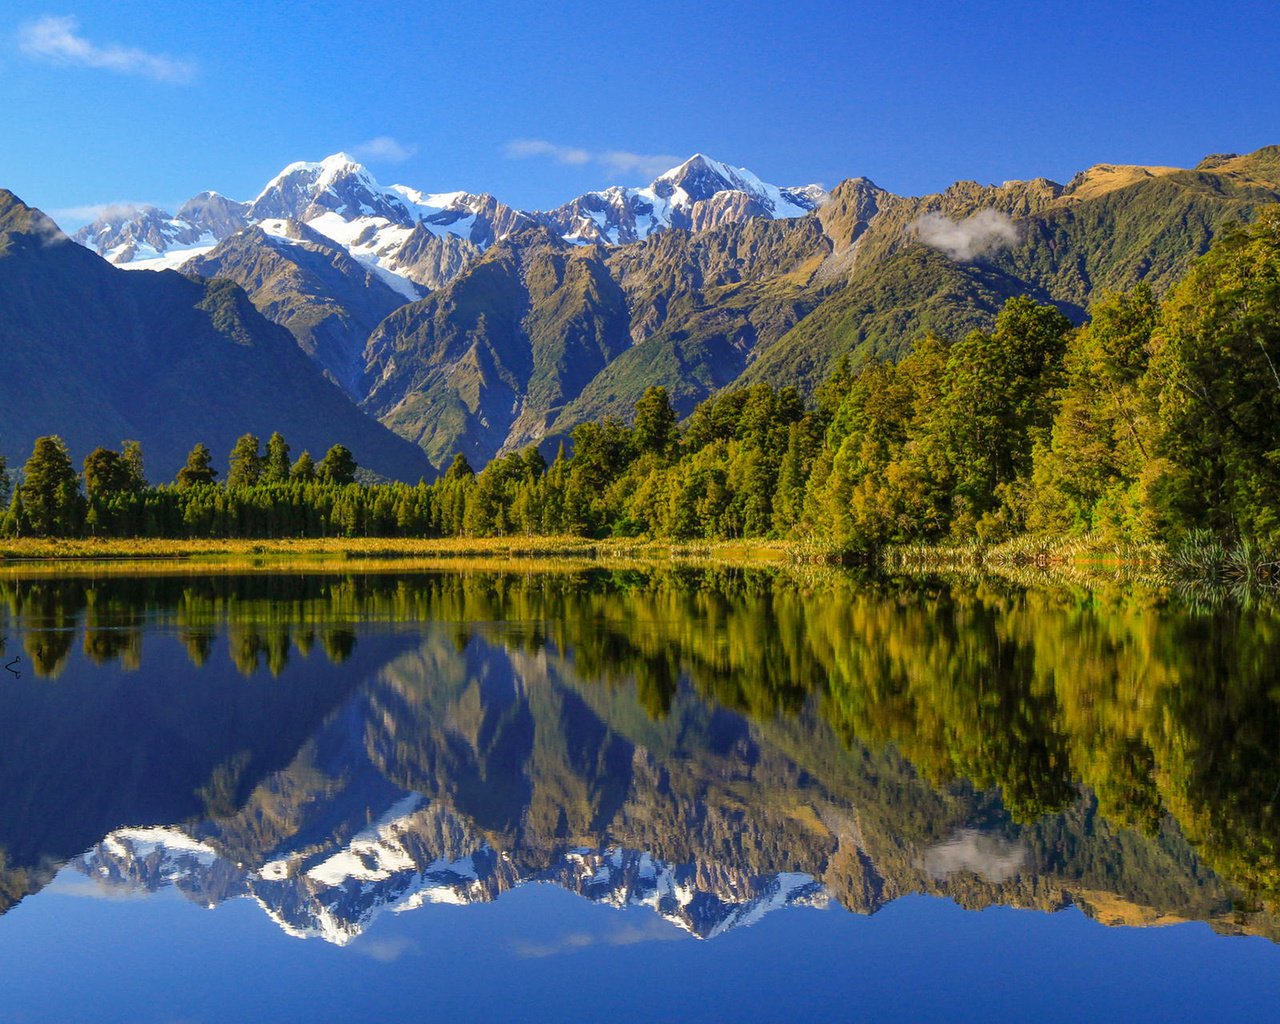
column 366, row 553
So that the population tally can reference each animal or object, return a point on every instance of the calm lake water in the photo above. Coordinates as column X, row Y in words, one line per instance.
column 633, row 796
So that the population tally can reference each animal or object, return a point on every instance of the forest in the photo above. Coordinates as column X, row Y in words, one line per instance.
column 1157, row 418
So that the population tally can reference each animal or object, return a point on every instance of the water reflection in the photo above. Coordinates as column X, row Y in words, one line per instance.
column 711, row 745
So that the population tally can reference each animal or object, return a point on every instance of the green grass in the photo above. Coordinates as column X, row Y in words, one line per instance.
column 381, row 552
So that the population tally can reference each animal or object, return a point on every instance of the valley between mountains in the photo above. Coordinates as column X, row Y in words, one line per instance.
column 411, row 325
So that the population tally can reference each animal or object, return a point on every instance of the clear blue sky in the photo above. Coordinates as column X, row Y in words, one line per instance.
column 111, row 100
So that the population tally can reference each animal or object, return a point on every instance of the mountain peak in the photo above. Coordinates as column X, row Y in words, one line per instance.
column 17, row 218
column 318, row 175
column 698, row 162
column 701, row 177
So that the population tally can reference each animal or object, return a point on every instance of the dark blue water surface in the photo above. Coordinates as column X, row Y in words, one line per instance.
column 677, row 795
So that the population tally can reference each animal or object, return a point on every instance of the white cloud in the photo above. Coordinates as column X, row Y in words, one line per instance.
column 522, row 149
column 649, row 165
column 984, row 232
column 617, row 161
column 119, row 209
column 385, row 148
column 56, row 39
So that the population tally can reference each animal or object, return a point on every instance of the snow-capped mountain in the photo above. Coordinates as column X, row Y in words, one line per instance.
column 147, row 238
column 418, row 240
column 699, row 194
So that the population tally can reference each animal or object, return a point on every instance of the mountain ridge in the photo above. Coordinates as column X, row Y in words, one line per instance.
column 97, row 355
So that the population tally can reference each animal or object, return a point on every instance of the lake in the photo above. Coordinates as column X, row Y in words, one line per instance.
column 641, row 794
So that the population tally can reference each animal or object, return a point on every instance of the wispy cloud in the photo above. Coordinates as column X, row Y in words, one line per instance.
column 991, row 856
column 385, row 951
column 648, row 164
column 119, row 209
column 522, row 149
column 618, row 161
column 984, row 232
column 57, row 39
column 653, row 930
column 385, row 148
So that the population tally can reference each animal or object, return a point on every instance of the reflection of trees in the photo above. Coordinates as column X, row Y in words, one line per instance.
column 1159, row 710
column 338, row 644
column 48, row 649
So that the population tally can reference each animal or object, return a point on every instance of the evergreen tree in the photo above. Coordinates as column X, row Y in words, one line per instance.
column 199, row 468
column 51, row 490
column 104, row 473
column 655, row 423
column 338, row 466
column 1215, row 379
column 15, row 521
column 131, row 458
column 532, row 462
column 304, row 470
column 276, row 469
column 244, row 467
column 459, row 468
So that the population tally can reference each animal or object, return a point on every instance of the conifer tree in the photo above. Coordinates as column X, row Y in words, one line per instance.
column 51, row 489
column 276, row 470
column 131, row 458
column 199, row 468
column 459, row 468
column 245, row 464
column 104, row 473
column 304, row 470
column 655, row 423
column 338, row 466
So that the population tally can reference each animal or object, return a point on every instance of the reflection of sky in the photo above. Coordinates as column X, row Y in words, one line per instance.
column 541, row 954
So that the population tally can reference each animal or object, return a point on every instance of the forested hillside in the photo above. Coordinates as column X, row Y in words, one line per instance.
column 1156, row 418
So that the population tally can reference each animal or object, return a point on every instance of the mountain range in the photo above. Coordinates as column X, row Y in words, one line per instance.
column 460, row 323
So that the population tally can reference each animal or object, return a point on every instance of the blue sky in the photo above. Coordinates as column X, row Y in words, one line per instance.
column 117, row 101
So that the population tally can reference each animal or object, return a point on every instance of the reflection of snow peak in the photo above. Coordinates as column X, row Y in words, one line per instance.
column 335, row 894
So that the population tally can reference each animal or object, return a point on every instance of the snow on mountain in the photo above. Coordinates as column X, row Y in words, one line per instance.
column 419, row 240
column 701, row 193
column 335, row 892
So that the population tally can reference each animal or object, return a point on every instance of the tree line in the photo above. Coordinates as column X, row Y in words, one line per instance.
column 1154, row 419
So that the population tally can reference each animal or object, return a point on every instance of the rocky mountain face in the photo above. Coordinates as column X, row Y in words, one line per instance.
column 98, row 355
column 362, row 249
column 512, row 327
column 699, row 194
column 305, row 282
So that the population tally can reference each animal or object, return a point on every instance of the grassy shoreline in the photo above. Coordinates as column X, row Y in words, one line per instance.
column 341, row 551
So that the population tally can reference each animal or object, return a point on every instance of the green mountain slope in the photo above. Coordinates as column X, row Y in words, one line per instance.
column 1108, row 229
column 540, row 335
column 302, row 281
column 98, row 354
column 487, row 361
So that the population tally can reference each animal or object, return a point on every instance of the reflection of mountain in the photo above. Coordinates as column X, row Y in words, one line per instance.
column 108, row 744
column 385, row 869
column 473, row 764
